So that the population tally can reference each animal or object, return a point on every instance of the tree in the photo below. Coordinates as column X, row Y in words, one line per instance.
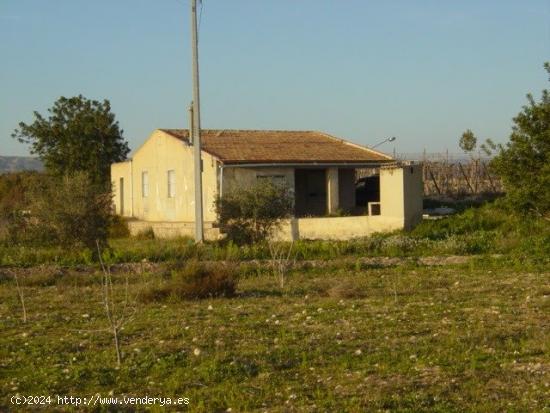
column 468, row 141
column 118, row 313
column 249, row 215
column 524, row 162
column 489, row 147
column 78, row 135
column 72, row 212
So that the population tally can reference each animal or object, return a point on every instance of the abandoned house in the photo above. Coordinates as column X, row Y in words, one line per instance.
column 342, row 190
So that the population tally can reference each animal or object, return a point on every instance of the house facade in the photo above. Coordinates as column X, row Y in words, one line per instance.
column 342, row 190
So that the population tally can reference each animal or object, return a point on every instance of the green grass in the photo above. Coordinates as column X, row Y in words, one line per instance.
column 406, row 339
column 488, row 229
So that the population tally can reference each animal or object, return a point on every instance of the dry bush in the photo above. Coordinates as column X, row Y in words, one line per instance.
column 20, row 294
column 118, row 312
column 281, row 260
column 145, row 234
column 195, row 280
column 14, row 205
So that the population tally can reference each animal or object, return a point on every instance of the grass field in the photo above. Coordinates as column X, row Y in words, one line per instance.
column 474, row 337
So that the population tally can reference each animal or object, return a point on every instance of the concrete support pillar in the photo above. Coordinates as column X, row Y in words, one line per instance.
column 401, row 194
column 392, row 194
column 332, row 190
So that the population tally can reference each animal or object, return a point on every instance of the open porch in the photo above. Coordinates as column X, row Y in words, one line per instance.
column 341, row 201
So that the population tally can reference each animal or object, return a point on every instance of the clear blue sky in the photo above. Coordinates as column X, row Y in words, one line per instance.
column 423, row 71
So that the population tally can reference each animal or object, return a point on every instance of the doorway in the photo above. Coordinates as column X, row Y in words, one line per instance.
column 311, row 192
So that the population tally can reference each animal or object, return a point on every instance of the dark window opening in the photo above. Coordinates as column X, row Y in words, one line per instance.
column 374, row 208
column 310, row 192
column 279, row 180
column 367, row 189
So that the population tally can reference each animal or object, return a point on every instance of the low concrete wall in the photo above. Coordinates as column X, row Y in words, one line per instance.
column 173, row 229
column 337, row 228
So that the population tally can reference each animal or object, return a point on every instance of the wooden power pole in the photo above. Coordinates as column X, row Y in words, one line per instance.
column 195, row 128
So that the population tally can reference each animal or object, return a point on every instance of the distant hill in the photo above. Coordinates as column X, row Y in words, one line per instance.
column 20, row 163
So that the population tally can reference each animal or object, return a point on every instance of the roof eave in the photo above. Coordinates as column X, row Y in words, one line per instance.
column 304, row 164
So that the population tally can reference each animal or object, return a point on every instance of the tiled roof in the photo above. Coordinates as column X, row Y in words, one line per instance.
column 269, row 146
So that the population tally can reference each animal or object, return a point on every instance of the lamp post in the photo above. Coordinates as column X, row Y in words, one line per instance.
column 393, row 138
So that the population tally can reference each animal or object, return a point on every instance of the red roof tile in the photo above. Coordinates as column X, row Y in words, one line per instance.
column 268, row 146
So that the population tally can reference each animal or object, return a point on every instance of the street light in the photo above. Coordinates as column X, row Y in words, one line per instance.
column 393, row 138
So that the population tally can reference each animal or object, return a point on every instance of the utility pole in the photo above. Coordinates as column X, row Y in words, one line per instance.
column 195, row 128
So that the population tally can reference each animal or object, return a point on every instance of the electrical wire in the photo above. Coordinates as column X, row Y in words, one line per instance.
column 200, row 15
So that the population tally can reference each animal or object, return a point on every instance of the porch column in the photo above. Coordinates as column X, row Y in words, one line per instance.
column 332, row 190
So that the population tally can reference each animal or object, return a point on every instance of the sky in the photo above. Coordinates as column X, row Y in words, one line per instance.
column 364, row 70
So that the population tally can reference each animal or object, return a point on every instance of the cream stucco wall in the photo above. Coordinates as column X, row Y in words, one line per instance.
column 235, row 177
column 392, row 203
column 401, row 208
column 122, row 170
column 159, row 154
column 400, row 194
column 172, row 229
column 336, row 228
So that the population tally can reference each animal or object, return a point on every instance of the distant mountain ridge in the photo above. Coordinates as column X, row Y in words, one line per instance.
column 20, row 163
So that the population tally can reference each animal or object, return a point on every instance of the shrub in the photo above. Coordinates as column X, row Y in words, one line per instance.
column 14, row 205
column 196, row 280
column 486, row 218
column 13, row 226
column 147, row 233
column 71, row 212
column 249, row 215
column 118, row 228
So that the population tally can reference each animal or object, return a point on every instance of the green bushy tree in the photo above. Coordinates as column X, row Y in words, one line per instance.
column 78, row 135
column 524, row 162
column 251, row 214
column 468, row 141
column 71, row 211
